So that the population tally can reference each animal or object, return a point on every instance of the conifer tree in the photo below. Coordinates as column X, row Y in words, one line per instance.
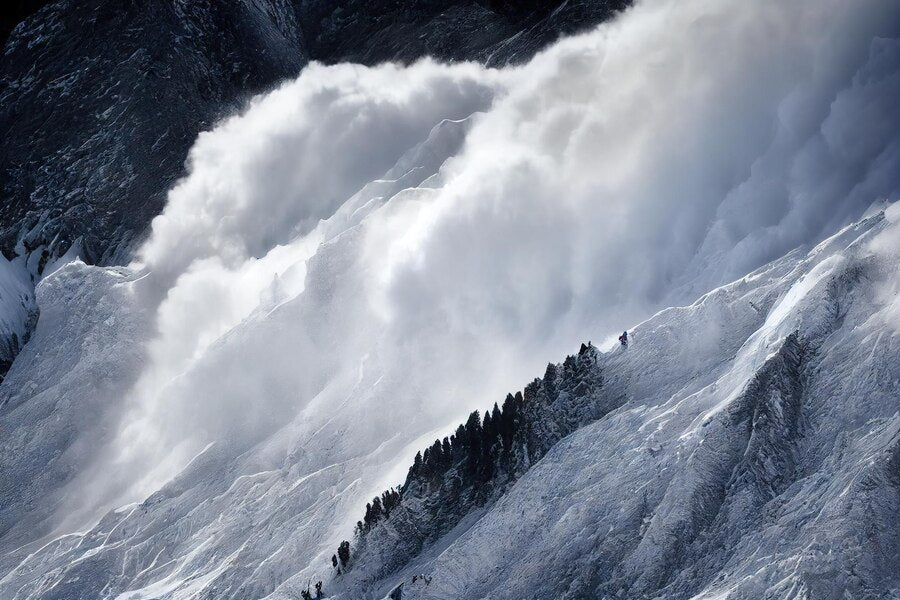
column 376, row 509
column 461, row 438
column 437, row 457
column 448, row 454
column 344, row 552
column 473, row 433
column 550, row 379
column 473, row 426
column 427, row 466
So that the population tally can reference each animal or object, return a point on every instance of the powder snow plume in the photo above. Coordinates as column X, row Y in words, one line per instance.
column 365, row 254
column 619, row 172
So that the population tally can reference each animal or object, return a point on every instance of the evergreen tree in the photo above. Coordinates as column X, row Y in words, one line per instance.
column 376, row 509
column 448, row 453
column 437, row 457
column 457, row 448
column 508, row 416
column 344, row 552
column 487, row 430
column 550, row 379
column 461, row 438
column 390, row 499
column 473, row 426
column 427, row 466
column 473, row 433
column 488, row 439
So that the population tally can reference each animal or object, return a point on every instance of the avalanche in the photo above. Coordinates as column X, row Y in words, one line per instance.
column 756, row 455
column 367, row 254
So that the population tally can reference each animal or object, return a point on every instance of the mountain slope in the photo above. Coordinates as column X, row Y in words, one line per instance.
column 101, row 101
column 747, row 431
column 756, row 456
column 755, row 434
column 368, row 254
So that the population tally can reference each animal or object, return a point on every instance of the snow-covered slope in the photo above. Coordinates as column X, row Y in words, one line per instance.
column 757, row 455
column 367, row 254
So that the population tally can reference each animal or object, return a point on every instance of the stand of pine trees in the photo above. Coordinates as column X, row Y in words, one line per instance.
column 480, row 461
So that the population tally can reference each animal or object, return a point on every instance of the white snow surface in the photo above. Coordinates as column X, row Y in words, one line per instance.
column 367, row 254
column 650, row 502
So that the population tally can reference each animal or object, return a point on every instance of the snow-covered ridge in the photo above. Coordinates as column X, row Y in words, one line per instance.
column 757, row 455
column 472, row 467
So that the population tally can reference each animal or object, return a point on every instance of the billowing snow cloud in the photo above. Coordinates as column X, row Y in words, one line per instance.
column 368, row 253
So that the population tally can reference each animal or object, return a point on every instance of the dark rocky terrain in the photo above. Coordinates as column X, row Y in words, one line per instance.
column 14, row 12
column 102, row 99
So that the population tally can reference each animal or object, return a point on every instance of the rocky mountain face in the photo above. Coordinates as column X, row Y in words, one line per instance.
column 14, row 12
column 494, row 32
column 102, row 100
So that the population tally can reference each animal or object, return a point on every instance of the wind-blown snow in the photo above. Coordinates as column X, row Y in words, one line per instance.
column 366, row 254
column 768, row 471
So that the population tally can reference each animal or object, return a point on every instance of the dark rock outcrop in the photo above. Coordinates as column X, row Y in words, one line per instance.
column 102, row 100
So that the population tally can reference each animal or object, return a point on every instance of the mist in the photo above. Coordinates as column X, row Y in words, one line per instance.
column 367, row 253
